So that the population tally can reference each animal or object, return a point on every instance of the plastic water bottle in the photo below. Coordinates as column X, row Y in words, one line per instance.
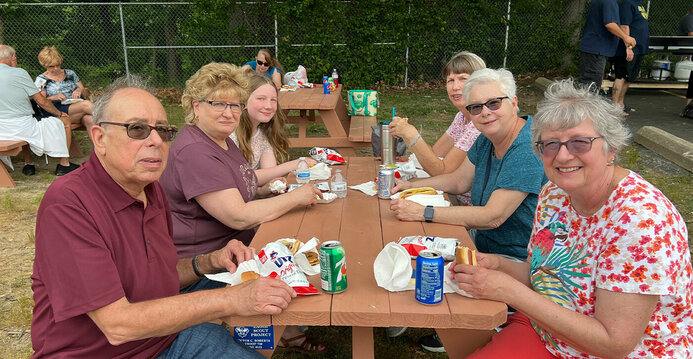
column 335, row 77
column 302, row 171
column 338, row 184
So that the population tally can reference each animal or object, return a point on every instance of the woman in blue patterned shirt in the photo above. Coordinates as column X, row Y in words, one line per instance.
column 63, row 87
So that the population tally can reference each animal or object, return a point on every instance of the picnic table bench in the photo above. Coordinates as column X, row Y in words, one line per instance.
column 331, row 111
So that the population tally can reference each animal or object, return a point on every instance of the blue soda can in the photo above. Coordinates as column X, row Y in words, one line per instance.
column 325, row 85
column 429, row 277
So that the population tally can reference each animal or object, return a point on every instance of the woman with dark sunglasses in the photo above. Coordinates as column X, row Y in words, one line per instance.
column 266, row 65
column 501, row 170
column 609, row 267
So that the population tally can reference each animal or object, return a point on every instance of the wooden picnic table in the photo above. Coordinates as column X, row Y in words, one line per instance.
column 314, row 106
column 364, row 224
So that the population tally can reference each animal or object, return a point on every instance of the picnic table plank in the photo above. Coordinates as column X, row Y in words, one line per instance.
column 360, row 305
column 404, row 308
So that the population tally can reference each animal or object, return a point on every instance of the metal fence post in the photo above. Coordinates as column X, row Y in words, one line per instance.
column 276, row 39
column 507, row 32
column 406, row 57
column 125, row 46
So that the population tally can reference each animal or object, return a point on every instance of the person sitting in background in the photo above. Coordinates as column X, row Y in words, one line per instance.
column 459, row 137
column 609, row 268
column 50, row 136
column 266, row 65
column 260, row 135
column 501, row 170
column 628, row 58
column 106, row 285
column 686, row 29
column 211, row 186
column 59, row 85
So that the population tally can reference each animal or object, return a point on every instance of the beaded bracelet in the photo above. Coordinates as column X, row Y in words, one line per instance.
column 415, row 141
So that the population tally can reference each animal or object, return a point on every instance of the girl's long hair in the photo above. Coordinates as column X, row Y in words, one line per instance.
column 272, row 59
column 273, row 130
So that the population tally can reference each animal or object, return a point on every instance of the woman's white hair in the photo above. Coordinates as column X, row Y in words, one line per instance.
column 566, row 105
column 502, row 77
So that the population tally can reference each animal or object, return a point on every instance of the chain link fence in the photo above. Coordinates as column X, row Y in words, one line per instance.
column 168, row 42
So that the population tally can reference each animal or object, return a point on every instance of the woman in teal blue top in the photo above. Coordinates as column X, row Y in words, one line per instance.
column 266, row 65
column 501, row 169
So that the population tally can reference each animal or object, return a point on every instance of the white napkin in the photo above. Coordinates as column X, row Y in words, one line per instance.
column 392, row 268
column 235, row 277
column 320, row 172
column 422, row 174
column 302, row 261
column 449, row 285
column 435, row 200
column 415, row 161
column 369, row 188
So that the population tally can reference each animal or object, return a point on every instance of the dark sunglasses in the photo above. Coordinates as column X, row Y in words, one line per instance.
column 140, row 131
column 266, row 63
column 576, row 146
column 492, row 104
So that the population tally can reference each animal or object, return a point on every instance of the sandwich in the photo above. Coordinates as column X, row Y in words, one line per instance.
column 312, row 258
column 418, row 190
column 292, row 245
column 464, row 255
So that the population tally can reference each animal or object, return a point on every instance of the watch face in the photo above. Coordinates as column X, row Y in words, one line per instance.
column 428, row 213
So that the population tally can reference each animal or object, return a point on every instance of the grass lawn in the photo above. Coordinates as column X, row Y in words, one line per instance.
column 429, row 110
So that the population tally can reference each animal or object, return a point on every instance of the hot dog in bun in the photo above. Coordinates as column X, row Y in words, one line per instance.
column 464, row 255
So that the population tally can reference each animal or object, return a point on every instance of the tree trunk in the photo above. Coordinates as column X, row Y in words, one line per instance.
column 172, row 59
column 572, row 10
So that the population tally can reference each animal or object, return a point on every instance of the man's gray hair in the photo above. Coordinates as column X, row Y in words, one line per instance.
column 6, row 52
column 566, row 104
column 502, row 77
column 102, row 103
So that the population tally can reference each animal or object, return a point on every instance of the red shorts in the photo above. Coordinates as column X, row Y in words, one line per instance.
column 517, row 340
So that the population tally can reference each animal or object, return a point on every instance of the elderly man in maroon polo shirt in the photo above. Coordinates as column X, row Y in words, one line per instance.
column 106, row 275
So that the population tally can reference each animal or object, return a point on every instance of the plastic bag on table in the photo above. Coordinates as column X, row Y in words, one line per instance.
column 296, row 78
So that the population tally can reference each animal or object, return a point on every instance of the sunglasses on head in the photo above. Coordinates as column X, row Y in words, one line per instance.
column 140, row 131
column 576, row 146
column 263, row 63
column 492, row 104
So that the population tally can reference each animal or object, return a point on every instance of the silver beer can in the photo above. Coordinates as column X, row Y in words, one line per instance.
column 386, row 181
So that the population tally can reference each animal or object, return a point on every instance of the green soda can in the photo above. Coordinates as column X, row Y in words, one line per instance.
column 333, row 278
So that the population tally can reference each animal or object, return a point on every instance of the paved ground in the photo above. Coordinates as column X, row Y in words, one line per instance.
column 659, row 108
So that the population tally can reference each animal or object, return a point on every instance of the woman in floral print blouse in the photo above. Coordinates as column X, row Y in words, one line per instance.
column 609, row 268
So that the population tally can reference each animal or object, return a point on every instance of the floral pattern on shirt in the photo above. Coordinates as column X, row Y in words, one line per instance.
column 636, row 243
column 259, row 144
column 464, row 136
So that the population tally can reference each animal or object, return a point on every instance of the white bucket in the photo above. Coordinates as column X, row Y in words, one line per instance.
column 683, row 70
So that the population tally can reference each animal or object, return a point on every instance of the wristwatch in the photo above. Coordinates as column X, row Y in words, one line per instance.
column 428, row 214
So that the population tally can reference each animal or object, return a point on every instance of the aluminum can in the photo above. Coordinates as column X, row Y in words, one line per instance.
column 325, row 85
column 333, row 277
column 386, row 180
column 429, row 277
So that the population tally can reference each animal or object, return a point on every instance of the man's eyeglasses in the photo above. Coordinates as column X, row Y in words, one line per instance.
column 263, row 63
column 140, row 131
column 576, row 146
column 492, row 104
column 220, row 106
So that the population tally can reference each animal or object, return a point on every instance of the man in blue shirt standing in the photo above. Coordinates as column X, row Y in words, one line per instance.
column 599, row 40
column 627, row 60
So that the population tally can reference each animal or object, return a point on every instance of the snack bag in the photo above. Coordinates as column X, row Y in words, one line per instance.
column 326, row 155
column 276, row 259
column 415, row 244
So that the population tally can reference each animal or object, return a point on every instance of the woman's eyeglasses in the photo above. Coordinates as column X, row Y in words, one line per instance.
column 140, row 131
column 492, row 104
column 220, row 106
column 263, row 63
column 576, row 146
